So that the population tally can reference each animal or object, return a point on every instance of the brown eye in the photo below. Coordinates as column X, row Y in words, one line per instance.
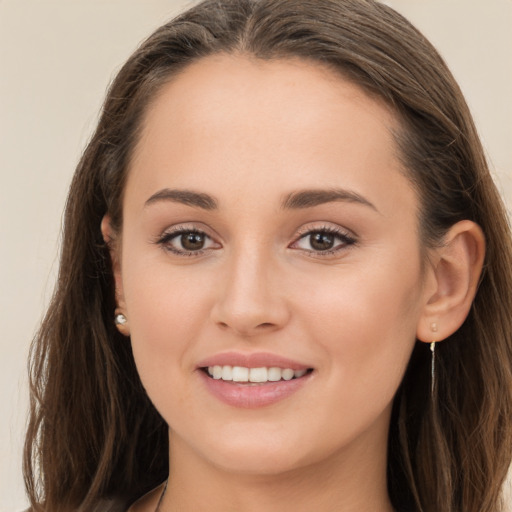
column 187, row 242
column 321, row 241
column 192, row 241
column 324, row 242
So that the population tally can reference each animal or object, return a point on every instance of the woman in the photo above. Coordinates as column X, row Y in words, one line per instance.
column 284, row 210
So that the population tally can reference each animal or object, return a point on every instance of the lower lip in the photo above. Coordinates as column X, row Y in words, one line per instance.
column 249, row 396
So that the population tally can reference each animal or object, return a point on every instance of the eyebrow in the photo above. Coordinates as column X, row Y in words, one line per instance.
column 309, row 198
column 188, row 197
column 294, row 201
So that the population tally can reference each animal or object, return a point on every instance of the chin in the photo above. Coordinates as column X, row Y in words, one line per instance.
column 254, row 453
column 257, row 463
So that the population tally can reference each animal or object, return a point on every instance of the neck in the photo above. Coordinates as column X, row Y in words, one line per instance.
column 352, row 480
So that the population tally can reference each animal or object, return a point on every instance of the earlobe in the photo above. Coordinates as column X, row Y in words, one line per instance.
column 121, row 322
column 456, row 270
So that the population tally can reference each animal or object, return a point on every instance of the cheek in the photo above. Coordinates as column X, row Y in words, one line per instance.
column 366, row 321
column 166, row 311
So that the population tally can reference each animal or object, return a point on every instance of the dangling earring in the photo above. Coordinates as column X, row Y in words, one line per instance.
column 433, row 362
column 121, row 322
column 433, row 367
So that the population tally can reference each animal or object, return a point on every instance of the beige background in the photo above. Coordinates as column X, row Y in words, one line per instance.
column 56, row 59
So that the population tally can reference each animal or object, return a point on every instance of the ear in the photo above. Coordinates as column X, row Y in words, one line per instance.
column 455, row 272
column 113, row 243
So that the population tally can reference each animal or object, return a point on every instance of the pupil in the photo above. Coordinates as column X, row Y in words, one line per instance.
column 322, row 241
column 192, row 241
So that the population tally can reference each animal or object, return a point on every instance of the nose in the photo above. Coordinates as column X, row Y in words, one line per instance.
column 250, row 299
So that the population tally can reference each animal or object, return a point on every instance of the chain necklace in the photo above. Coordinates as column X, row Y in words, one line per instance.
column 157, row 509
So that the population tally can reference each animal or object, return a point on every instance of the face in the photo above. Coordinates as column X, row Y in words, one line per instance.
column 269, row 234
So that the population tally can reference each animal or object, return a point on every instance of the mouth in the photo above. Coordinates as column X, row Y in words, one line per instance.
column 253, row 380
column 254, row 376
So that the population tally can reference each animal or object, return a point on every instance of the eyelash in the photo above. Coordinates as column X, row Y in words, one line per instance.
column 346, row 239
column 165, row 241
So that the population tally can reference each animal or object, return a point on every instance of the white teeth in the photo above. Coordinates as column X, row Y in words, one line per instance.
column 274, row 374
column 217, row 372
column 240, row 374
column 287, row 374
column 256, row 375
column 227, row 373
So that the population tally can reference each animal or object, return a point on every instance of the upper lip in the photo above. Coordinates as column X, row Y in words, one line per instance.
column 253, row 360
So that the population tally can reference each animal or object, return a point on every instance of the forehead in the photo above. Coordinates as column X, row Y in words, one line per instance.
column 222, row 84
column 247, row 120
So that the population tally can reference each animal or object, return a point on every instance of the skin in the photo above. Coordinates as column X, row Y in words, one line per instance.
column 250, row 133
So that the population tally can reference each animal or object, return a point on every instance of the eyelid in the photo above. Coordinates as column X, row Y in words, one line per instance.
column 348, row 237
column 325, row 226
column 170, row 233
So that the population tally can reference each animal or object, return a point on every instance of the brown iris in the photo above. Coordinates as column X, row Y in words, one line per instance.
column 321, row 241
column 192, row 241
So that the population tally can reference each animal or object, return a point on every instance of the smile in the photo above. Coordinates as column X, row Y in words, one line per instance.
column 253, row 380
column 253, row 375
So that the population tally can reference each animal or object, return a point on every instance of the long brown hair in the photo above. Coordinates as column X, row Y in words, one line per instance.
column 94, row 434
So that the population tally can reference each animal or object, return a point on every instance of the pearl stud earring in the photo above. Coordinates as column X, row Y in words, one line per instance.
column 121, row 322
column 120, row 319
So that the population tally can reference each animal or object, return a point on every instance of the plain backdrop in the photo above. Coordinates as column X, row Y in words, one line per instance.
column 57, row 58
